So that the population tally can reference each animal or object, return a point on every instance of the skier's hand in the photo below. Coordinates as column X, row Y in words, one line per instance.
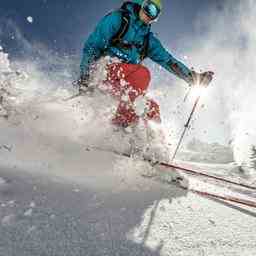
column 83, row 83
column 202, row 79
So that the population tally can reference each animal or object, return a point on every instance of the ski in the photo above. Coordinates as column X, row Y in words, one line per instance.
column 80, row 93
column 195, row 172
column 227, row 198
column 73, row 96
column 187, row 170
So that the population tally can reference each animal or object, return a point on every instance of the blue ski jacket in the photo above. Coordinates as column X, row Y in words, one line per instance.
column 99, row 44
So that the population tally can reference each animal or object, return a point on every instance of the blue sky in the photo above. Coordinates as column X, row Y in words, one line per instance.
column 63, row 25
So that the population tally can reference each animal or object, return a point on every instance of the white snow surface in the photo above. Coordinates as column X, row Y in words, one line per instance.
column 51, row 139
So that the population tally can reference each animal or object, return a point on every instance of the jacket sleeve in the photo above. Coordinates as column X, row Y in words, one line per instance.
column 99, row 40
column 160, row 55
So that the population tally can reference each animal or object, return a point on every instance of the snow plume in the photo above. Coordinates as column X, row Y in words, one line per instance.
column 34, row 54
column 32, row 87
column 227, row 45
column 42, row 127
column 35, row 82
column 35, row 73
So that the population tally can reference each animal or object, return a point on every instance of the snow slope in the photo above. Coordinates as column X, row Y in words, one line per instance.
column 60, row 197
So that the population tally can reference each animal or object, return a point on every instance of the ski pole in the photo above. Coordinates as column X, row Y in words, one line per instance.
column 186, row 127
column 187, row 94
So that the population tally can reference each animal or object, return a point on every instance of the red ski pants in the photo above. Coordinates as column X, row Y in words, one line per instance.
column 126, row 82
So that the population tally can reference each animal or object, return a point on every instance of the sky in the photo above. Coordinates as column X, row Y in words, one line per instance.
column 63, row 25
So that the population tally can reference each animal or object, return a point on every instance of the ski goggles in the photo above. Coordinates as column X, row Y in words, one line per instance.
column 151, row 10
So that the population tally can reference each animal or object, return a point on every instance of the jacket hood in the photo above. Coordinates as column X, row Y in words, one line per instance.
column 140, row 2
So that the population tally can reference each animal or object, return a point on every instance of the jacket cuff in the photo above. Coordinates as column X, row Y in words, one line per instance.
column 177, row 70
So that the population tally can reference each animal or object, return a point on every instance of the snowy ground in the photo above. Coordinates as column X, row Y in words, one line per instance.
column 59, row 197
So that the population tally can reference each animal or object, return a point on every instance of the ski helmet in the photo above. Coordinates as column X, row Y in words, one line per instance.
column 152, row 8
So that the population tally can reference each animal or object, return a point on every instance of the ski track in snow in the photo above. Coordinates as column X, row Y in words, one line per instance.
column 62, row 198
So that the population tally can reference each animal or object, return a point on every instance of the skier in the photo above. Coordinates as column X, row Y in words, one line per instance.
column 126, row 34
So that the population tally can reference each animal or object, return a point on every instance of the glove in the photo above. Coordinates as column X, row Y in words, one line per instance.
column 83, row 83
column 202, row 79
